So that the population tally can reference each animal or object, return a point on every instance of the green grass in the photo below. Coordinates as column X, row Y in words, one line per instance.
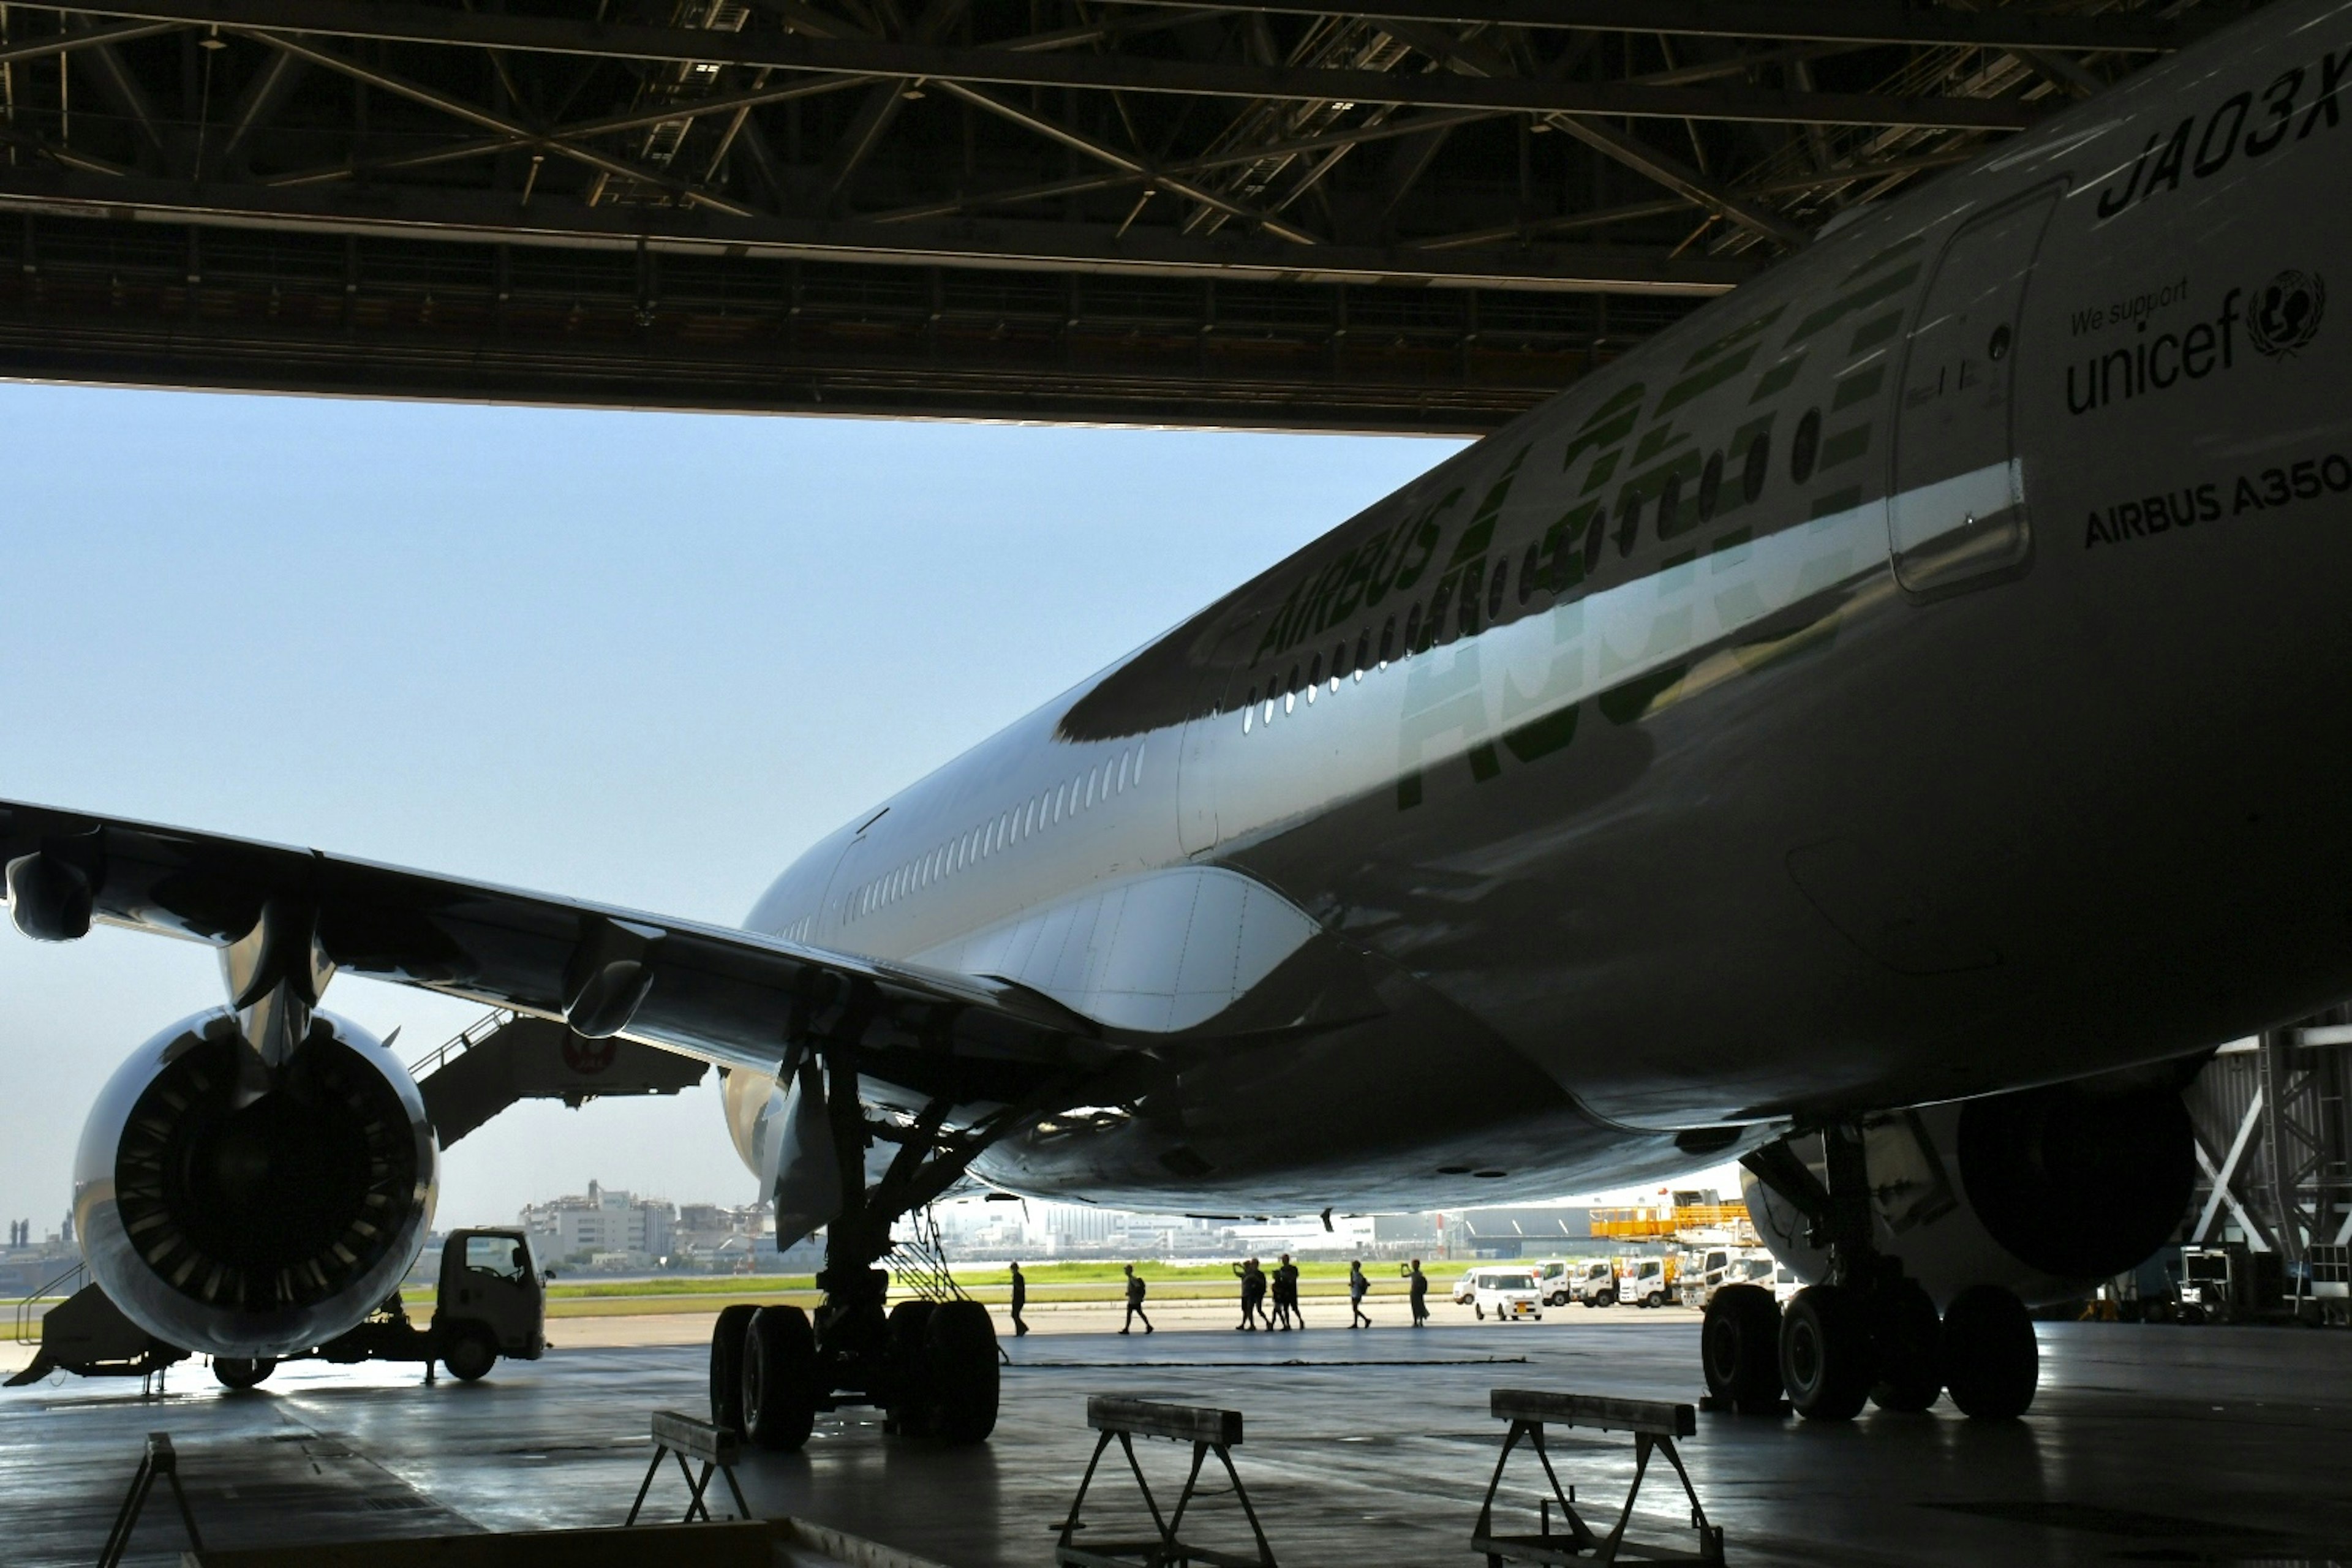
column 1047, row 1282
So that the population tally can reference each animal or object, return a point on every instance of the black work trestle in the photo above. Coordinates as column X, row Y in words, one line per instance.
column 685, row 1437
column 1210, row 1431
column 160, row 1459
column 1655, row 1425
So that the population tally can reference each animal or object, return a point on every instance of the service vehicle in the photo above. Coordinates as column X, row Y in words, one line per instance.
column 1465, row 1289
column 1593, row 1282
column 1508, row 1294
column 1648, row 1282
column 490, row 1301
column 1708, row 1269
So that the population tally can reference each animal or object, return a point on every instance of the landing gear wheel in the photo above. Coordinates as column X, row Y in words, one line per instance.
column 1825, row 1353
column 470, row 1353
column 963, row 1372
column 242, row 1373
column 780, row 1389
column 726, row 1367
column 913, row 1403
column 1906, row 1333
column 1991, row 1363
column 1740, row 1345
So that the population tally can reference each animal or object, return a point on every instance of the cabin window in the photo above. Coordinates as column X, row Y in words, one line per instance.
column 1338, row 665
column 1412, row 629
column 1594, row 533
column 1388, row 638
column 1495, row 586
column 1710, row 485
column 1363, row 653
column 1528, row 573
column 1670, row 505
column 1760, row 458
column 1805, row 446
column 1315, row 673
column 1465, row 594
column 1629, row 520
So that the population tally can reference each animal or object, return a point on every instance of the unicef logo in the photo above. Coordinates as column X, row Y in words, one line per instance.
column 2286, row 312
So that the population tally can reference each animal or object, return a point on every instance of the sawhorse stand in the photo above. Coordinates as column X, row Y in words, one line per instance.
column 1655, row 1425
column 160, row 1459
column 686, row 1438
column 1210, row 1431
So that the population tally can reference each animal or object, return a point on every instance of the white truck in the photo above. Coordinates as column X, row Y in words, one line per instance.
column 1508, row 1295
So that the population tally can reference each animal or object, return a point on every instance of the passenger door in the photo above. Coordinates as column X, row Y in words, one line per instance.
column 1957, row 517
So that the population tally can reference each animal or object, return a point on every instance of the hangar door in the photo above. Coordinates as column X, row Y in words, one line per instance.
column 1957, row 517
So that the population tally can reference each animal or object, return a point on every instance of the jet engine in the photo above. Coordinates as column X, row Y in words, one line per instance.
column 2046, row 1191
column 246, row 1224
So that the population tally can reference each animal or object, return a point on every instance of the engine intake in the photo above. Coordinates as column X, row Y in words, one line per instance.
column 260, row 1229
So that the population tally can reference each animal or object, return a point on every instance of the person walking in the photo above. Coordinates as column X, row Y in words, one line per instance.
column 1253, row 1293
column 1420, row 1295
column 1019, row 1299
column 1287, row 1314
column 1134, row 1302
column 1357, row 1286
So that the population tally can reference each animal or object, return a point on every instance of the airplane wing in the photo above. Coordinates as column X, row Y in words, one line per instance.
column 725, row 996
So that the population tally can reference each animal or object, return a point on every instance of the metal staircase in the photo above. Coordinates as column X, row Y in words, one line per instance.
column 505, row 1056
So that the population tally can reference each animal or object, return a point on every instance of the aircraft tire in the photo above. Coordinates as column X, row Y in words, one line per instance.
column 240, row 1373
column 470, row 1353
column 780, row 1392
column 1740, row 1345
column 1991, row 1363
column 727, row 1366
column 1826, row 1364
column 914, row 1407
column 1907, row 1332
column 964, row 1371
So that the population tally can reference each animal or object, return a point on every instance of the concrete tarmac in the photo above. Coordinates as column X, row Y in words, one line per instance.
column 2147, row 1445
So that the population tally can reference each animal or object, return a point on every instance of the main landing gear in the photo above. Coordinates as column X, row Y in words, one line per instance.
column 1867, row 1334
column 932, row 1366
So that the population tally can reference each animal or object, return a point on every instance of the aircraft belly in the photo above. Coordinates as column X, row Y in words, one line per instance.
column 1417, row 1103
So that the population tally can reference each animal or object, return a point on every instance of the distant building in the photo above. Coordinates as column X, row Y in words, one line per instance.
column 624, row 1229
column 1520, row 1232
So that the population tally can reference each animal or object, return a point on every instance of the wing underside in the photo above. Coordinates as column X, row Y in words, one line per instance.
column 732, row 996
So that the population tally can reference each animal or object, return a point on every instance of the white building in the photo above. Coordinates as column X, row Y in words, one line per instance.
column 602, row 1221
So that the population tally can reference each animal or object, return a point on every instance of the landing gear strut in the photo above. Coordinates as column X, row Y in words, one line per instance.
column 1865, row 1333
column 932, row 1366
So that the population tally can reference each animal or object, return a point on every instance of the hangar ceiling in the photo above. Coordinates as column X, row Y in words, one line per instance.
column 1414, row 215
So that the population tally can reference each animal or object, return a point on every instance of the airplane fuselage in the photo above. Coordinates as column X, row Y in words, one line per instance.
column 1921, row 673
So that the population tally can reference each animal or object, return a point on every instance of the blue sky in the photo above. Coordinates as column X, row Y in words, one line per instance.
column 640, row 657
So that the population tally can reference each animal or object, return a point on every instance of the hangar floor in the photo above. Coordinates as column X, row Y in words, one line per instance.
column 2148, row 1445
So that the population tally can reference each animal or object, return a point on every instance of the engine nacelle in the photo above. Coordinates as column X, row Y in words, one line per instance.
column 263, row 1229
column 2048, row 1191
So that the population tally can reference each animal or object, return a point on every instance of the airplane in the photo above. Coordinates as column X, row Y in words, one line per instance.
column 1885, row 729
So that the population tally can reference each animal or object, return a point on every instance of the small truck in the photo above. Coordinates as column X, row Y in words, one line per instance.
column 490, row 1301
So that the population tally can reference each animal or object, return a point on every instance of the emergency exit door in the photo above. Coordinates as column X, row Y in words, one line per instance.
column 1956, row 519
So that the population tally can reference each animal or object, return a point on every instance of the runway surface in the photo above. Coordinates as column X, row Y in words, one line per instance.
column 2147, row 1445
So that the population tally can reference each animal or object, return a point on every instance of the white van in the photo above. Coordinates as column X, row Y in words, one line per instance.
column 1508, row 1293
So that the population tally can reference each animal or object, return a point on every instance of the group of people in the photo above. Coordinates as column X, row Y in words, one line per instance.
column 1256, row 1281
